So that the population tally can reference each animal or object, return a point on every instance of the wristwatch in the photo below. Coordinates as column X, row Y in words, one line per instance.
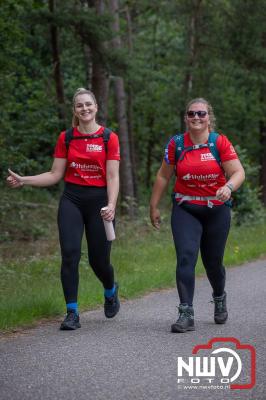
column 230, row 186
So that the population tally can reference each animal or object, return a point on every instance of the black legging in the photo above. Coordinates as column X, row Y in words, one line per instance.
column 197, row 227
column 79, row 207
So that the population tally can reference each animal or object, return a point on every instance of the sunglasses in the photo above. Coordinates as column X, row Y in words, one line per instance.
column 200, row 114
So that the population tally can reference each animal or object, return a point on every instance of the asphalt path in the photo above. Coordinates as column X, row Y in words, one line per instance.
column 134, row 356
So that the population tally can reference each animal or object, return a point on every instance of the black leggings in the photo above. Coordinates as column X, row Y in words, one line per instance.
column 197, row 227
column 79, row 207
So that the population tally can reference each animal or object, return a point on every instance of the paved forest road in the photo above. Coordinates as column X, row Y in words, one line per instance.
column 134, row 356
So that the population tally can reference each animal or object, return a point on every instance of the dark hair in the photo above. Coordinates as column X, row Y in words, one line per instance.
column 209, row 108
column 75, row 120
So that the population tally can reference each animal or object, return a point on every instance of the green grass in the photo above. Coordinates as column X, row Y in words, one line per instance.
column 144, row 260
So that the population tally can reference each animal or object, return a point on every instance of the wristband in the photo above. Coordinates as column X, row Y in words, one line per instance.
column 230, row 186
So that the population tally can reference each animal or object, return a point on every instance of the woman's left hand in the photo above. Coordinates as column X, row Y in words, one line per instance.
column 223, row 193
column 108, row 212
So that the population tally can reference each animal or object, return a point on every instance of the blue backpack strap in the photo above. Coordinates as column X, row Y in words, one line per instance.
column 179, row 146
column 213, row 136
column 181, row 149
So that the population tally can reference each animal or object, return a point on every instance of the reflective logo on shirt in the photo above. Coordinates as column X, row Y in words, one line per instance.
column 206, row 157
column 85, row 167
column 187, row 177
column 94, row 147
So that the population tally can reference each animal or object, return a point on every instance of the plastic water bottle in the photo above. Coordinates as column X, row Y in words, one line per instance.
column 109, row 228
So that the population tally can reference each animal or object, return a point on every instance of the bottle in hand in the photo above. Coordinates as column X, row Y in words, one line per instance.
column 109, row 228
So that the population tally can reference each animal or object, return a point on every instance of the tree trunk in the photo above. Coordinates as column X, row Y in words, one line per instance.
column 192, row 48
column 192, row 55
column 88, row 60
column 263, row 137
column 150, row 146
column 57, row 67
column 99, row 74
column 130, row 106
column 100, row 87
column 126, row 174
column 263, row 161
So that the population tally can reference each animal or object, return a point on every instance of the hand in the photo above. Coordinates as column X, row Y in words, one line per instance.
column 224, row 193
column 14, row 180
column 108, row 212
column 155, row 217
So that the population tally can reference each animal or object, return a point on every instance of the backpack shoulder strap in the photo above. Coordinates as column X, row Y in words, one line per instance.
column 213, row 136
column 179, row 145
column 106, row 137
column 181, row 150
column 68, row 137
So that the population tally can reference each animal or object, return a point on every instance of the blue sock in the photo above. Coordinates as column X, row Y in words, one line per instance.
column 109, row 292
column 72, row 306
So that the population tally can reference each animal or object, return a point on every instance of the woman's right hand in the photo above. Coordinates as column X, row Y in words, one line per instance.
column 155, row 217
column 14, row 180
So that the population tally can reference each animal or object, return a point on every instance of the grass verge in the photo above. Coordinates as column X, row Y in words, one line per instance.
column 144, row 260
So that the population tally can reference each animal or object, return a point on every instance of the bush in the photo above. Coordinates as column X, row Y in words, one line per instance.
column 247, row 206
column 27, row 214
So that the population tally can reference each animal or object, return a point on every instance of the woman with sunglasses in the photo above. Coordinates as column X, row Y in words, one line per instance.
column 200, row 215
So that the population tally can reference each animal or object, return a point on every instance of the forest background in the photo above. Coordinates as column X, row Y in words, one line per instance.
column 143, row 60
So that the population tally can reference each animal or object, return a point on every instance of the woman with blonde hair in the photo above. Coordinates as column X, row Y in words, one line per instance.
column 90, row 168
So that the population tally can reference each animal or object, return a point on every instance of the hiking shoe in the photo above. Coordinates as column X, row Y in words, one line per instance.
column 112, row 304
column 220, row 310
column 71, row 321
column 185, row 321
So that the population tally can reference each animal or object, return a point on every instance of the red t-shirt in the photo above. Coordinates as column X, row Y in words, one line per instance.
column 86, row 158
column 199, row 174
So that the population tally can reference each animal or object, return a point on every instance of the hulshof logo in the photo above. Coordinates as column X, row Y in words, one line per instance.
column 230, row 366
column 187, row 177
column 206, row 157
column 85, row 167
column 94, row 147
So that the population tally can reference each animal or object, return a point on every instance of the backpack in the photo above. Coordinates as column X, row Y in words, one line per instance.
column 105, row 135
column 181, row 150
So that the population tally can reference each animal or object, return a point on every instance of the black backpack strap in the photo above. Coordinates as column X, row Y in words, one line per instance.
column 94, row 136
column 106, row 137
column 68, row 137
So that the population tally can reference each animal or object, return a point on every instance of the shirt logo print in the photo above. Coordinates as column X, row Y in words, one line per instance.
column 201, row 177
column 94, row 147
column 206, row 157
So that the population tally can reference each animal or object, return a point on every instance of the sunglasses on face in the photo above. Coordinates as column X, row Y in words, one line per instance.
column 200, row 114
